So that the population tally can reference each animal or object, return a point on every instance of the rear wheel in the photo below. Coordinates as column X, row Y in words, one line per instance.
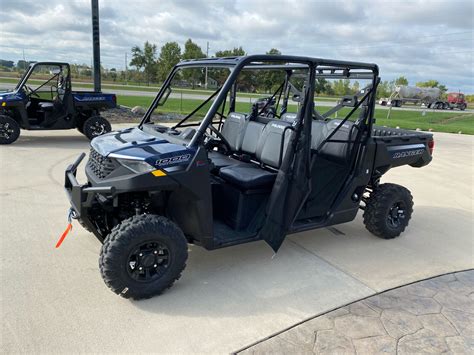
column 9, row 130
column 95, row 126
column 388, row 210
column 143, row 256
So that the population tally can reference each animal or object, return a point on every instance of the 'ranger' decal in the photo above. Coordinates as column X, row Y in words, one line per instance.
column 409, row 153
column 90, row 98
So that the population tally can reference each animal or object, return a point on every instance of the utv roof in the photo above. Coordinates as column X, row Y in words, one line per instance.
column 264, row 61
column 48, row 63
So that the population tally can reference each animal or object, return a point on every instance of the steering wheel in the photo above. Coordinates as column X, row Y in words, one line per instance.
column 219, row 135
column 30, row 91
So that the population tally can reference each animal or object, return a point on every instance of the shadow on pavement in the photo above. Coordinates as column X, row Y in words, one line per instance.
column 50, row 141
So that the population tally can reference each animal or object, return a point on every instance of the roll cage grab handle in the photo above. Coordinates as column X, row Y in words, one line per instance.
column 236, row 64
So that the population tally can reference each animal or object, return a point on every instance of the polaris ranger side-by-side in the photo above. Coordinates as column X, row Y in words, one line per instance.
column 230, row 173
column 52, row 104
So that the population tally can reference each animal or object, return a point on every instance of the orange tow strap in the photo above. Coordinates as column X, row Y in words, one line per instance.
column 63, row 236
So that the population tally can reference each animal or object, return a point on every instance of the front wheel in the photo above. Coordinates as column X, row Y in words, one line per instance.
column 143, row 256
column 95, row 126
column 388, row 210
column 9, row 130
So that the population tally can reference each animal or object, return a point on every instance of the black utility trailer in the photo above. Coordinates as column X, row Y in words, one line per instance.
column 237, row 177
column 52, row 104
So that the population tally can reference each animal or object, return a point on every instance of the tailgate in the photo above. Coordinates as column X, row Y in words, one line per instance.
column 410, row 149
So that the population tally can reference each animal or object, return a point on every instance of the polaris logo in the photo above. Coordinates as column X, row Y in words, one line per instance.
column 276, row 125
column 173, row 160
column 409, row 153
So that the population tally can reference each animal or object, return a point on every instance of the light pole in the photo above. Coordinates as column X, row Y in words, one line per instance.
column 126, row 74
column 207, row 56
column 96, row 44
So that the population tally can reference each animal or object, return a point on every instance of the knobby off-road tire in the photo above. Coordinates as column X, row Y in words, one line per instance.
column 388, row 210
column 95, row 126
column 143, row 256
column 9, row 130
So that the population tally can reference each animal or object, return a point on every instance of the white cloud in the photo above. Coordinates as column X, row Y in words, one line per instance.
column 419, row 39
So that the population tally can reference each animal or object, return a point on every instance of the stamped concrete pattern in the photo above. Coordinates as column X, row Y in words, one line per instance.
column 431, row 316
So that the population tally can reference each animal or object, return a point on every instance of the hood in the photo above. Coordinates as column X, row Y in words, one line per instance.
column 12, row 96
column 134, row 144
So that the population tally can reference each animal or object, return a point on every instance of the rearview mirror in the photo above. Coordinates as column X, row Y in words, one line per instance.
column 296, row 98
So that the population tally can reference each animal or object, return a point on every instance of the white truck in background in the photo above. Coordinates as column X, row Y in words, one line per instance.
column 429, row 97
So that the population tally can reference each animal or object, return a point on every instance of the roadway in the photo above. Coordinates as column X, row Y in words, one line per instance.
column 55, row 300
column 192, row 96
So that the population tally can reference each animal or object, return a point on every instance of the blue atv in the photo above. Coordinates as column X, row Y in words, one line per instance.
column 43, row 100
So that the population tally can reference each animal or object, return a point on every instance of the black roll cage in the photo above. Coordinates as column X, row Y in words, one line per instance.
column 323, row 68
column 32, row 66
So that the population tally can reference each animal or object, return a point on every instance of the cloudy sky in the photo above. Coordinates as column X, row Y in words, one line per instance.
column 420, row 39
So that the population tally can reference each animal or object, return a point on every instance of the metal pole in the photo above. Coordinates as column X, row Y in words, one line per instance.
column 96, row 44
column 207, row 56
column 389, row 112
column 126, row 74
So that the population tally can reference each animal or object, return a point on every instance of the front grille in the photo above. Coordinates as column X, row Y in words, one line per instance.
column 99, row 165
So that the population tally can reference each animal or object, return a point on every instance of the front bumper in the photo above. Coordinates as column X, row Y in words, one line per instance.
column 82, row 197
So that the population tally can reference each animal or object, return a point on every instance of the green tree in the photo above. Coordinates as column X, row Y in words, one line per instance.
column 192, row 51
column 113, row 74
column 7, row 63
column 22, row 64
column 443, row 88
column 428, row 84
column 235, row 52
column 322, row 86
column 401, row 80
column 170, row 55
column 432, row 84
column 274, row 51
column 355, row 87
column 342, row 87
column 145, row 59
column 270, row 80
column 245, row 81
column 384, row 89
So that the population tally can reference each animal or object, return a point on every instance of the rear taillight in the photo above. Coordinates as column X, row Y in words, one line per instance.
column 431, row 146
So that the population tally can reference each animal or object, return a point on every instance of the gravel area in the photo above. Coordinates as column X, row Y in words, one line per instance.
column 125, row 115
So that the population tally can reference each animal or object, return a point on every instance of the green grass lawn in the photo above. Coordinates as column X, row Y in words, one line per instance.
column 446, row 121
column 174, row 105
column 153, row 88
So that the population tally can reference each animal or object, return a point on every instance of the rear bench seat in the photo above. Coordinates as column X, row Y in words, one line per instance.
column 320, row 130
column 265, row 143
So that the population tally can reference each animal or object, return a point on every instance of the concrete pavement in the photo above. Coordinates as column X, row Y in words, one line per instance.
column 55, row 301
column 431, row 316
